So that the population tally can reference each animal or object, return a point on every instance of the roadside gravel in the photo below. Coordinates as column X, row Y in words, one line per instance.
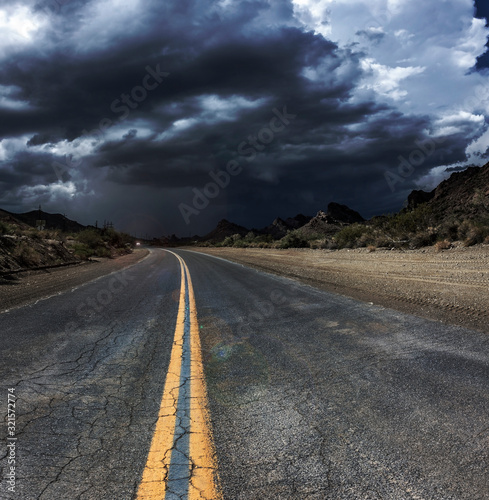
column 451, row 286
column 24, row 288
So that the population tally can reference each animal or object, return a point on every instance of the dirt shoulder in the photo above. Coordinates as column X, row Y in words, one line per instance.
column 29, row 286
column 451, row 286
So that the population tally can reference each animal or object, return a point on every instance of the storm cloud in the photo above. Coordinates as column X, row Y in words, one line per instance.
column 123, row 110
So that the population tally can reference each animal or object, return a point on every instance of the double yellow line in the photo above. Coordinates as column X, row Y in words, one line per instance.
column 202, row 480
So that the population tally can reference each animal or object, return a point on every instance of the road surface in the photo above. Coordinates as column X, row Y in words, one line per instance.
column 209, row 379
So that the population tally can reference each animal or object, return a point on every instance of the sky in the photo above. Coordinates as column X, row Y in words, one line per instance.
column 166, row 116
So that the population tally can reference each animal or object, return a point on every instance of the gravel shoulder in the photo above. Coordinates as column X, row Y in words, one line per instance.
column 451, row 286
column 29, row 286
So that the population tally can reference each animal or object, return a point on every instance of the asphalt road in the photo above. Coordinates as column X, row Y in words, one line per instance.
column 310, row 395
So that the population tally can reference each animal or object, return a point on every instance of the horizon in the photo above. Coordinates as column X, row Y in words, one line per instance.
column 167, row 118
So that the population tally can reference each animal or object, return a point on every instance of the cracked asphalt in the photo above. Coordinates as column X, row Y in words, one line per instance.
column 311, row 395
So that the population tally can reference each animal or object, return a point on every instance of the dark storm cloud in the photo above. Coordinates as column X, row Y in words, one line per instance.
column 373, row 36
column 226, row 71
column 482, row 12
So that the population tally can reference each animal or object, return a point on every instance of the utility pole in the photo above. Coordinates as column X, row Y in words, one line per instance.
column 40, row 224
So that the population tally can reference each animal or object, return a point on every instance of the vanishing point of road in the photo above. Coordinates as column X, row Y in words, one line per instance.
column 186, row 376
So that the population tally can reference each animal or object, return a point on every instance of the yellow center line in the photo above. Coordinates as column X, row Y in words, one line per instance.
column 204, row 480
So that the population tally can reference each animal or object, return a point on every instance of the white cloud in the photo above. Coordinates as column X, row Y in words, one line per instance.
column 460, row 122
column 387, row 81
column 420, row 59
column 216, row 108
column 10, row 146
column 19, row 26
column 47, row 193
column 213, row 109
column 477, row 149
column 314, row 14
column 105, row 22
column 470, row 45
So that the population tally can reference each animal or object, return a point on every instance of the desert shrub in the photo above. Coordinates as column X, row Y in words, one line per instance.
column 5, row 228
column 442, row 245
column 449, row 231
column 293, row 240
column 320, row 243
column 263, row 244
column 368, row 238
column 262, row 241
column 348, row 237
column 26, row 256
column 408, row 222
column 117, row 239
column 229, row 241
column 91, row 238
column 477, row 234
column 241, row 243
column 422, row 239
column 463, row 230
column 102, row 252
column 382, row 241
column 52, row 234
column 34, row 234
column 82, row 251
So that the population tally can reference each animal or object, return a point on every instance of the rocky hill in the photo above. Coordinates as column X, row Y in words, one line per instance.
column 280, row 227
column 463, row 195
column 63, row 241
column 330, row 222
column 224, row 228
column 53, row 221
column 22, row 246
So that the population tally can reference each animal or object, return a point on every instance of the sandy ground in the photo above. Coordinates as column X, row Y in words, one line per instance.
column 450, row 286
column 23, row 288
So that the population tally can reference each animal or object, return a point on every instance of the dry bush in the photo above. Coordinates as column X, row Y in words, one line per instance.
column 442, row 245
column 422, row 239
column 26, row 256
column 463, row 230
column 476, row 235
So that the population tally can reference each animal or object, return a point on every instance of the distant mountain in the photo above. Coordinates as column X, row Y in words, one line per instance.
column 225, row 228
column 343, row 214
column 12, row 219
column 330, row 222
column 280, row 227
column 321, row 223
column 53, row 221
column 463, row 195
